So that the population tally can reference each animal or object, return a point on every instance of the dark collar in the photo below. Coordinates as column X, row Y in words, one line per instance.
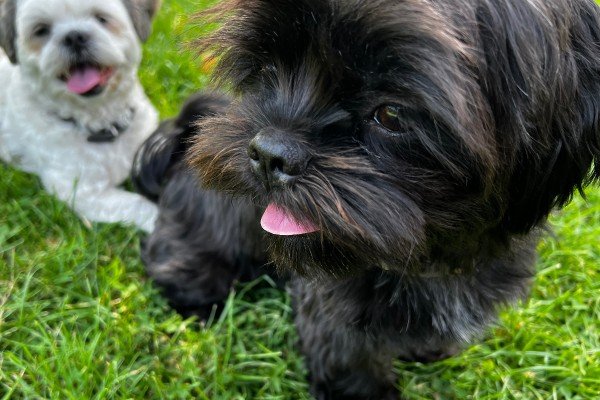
column 107, row 134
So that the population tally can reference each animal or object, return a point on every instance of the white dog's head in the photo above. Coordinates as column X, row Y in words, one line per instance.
column 75, row 48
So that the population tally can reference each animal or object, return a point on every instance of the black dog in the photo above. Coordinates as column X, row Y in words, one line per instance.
column 203, row 241
column 406, row 154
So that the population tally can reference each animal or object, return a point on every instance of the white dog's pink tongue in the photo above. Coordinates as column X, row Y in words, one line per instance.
column 278, row 221
column 82, row 80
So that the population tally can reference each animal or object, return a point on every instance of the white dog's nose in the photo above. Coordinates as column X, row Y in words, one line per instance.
column 76, row 40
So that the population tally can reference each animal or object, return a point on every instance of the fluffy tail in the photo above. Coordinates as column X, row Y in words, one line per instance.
column 165, row 148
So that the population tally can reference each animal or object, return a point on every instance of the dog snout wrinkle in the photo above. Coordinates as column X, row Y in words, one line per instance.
column 76, row 40
column 276, row 159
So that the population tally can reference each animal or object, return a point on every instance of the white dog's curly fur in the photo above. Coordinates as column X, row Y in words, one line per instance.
column 52, row 124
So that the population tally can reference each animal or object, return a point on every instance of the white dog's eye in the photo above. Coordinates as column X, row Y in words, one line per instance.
column 40, row 31
column 101, row 18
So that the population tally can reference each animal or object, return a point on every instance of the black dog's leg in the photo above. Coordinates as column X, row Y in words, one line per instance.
column 345, row 363
column 202, row 244
column 197, row 286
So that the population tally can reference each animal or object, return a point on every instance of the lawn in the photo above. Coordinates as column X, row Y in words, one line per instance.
column 79, row 319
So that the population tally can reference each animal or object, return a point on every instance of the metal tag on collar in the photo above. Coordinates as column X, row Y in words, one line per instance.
column 111, row 133
column 105, row 135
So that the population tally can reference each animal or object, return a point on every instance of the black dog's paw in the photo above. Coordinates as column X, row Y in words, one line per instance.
column 200, row 290
column 324, row 391
column 427, row 355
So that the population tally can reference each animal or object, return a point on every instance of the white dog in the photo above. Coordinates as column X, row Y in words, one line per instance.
column 71, row 107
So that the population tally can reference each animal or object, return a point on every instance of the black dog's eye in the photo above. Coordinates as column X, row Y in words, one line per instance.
column 41, row 31
column 388, row 116
column 102, row 19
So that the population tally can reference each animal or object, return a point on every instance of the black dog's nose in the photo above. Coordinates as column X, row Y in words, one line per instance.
column 76, row 40
column 277, row 160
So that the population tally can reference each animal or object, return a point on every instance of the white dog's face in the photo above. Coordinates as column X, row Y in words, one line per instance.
column 74, row 47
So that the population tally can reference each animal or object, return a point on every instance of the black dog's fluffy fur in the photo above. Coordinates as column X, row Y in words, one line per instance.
column 425, row 228
column 204, row 241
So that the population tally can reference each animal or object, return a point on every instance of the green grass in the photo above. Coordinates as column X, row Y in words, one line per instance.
column 79, row 320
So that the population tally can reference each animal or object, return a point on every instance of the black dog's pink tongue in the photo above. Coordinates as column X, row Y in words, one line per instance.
column 278, row 221
column 84, row 79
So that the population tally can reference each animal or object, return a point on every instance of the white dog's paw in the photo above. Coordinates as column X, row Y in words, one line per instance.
column 147, row 221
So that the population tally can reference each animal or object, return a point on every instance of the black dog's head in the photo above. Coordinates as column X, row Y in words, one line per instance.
column 382, row 133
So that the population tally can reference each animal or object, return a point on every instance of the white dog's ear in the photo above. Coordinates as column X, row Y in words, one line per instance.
column 142, row 12
column 8, row 32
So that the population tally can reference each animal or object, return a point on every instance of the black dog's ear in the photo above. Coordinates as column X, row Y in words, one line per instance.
column 142, row 13
column 589, row 85
column 585, row 39
column 565, row 154
column 166, row 147
column 200, row 105
column 8, row 32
